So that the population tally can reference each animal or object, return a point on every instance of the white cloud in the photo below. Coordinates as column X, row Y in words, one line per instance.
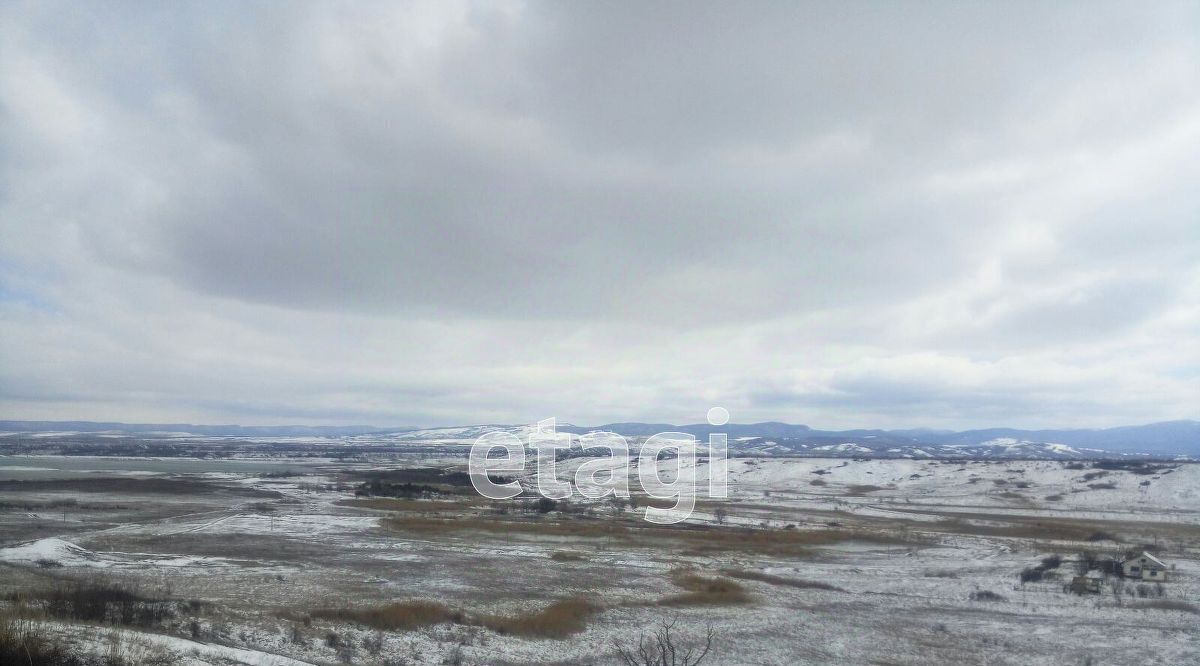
column 445, row 212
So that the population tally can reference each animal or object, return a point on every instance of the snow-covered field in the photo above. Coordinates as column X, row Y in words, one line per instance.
column 809, row 561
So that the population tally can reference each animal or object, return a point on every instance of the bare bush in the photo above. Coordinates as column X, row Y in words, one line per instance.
column 22, row 641
column 1087, row 561
column 661, row 649
column 105, row 602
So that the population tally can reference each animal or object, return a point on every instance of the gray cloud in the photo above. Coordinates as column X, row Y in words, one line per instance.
column 461, row 212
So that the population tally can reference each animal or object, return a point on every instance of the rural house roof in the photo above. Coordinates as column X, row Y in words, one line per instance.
column 1150, row 557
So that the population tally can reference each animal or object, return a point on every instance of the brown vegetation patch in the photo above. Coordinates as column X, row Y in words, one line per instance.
column 1166, row 604
column 133, row 486
column 393, row 617
column 567, row 556
column 704, row 591
column 412, row 505
column 437, row 524
column 558, row 620
column 690, row 539
column 781, row 580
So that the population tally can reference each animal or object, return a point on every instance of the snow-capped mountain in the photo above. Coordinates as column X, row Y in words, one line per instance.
column 1174, row 439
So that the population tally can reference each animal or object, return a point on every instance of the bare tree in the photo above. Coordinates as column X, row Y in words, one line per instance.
column 618, row 505
column 1087, row 561
column 659, row 649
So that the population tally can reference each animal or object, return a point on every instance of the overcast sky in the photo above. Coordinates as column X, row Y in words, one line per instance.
column 879, row 214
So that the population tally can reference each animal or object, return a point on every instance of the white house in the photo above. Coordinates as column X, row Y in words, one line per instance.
column 1144, row 567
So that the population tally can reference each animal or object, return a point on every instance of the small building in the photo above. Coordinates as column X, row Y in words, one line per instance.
column 1144, row 567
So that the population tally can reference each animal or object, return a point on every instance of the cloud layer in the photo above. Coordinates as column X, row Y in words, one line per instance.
column 840, row 214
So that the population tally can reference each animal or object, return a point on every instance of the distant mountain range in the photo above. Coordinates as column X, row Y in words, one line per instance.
column 1166, row 439
column 192, row 429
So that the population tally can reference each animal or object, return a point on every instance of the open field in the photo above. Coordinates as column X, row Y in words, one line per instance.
column 809, row 561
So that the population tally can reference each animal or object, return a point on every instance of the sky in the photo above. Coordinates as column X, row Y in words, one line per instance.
column 844, row 214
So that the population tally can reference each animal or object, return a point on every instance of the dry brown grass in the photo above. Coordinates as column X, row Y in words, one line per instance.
column 1166, row 604
column 413, row 505
column 780, row 543
column 567, row 556
column 394, row 617
column 1044, row 528
column 781, row 580
column 512, row 525
column 1007, row 526
column 704, row 591
column 688, row 539
column 858, row 490
column 558, row 620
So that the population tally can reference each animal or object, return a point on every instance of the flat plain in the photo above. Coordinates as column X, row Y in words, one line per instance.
column 303, row 554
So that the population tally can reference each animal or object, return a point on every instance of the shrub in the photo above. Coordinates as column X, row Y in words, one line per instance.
column 1086, row 562
column 986, row 595
column 106, row 603
column 22, row 641
column 662, row 649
